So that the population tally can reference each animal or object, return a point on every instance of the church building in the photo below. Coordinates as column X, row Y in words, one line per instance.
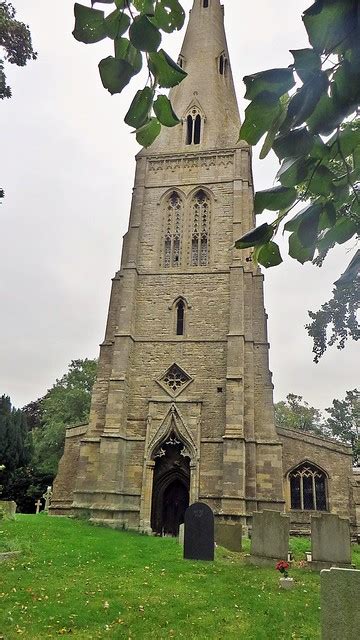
column 182, row 408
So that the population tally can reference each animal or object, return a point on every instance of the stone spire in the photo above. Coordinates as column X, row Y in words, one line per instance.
column 208, row 90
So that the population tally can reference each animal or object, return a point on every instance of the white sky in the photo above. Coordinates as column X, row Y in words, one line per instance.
column 67, row 166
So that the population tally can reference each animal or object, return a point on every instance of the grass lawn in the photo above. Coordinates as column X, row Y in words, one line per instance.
column 80, row 581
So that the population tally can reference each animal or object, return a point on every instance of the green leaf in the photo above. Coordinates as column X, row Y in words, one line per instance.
column 164, row 112
column 293, row 144
column 328, row 23
column 321, row 182
column 275, row 81
column 148, row 132
column 312, row 211
column 327, row 217
column 303, row 103
column 268, row 255
column 259, row 116
column 297, row 251
column 309, row 229
column 306, row 63
column 341, row 232
column 345, row 88
column 274, row 199
column 115, row 73
column 140, row 108
column 144, row 6
column 348, row 139
column 116, row 24
column 169, row 15
column 166, row 71
column 294, row 171
column 269, row 140
column 326, row 117
column 126, row 51
column 89, row 24
column 144, row 35
column 259, row 235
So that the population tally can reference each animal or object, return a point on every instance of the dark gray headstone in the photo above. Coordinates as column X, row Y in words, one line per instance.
column 199, row 532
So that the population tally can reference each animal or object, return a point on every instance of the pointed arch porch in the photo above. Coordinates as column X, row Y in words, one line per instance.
column 165, row 421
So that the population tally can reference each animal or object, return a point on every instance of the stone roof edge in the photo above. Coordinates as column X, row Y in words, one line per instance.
column 308, row 434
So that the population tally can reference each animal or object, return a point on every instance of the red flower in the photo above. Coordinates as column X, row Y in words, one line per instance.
column 283, row 567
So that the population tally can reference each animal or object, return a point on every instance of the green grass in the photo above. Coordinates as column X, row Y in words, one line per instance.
column 87, row 582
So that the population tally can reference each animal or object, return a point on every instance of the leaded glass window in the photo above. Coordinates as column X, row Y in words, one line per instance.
column 308, row 488
column 173, row 228
column 200, row 230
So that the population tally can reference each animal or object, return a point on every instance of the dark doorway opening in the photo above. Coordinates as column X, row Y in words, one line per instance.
column 171, row 485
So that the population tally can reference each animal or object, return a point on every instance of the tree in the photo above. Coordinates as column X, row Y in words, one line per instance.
column 66, row 404
column 15, row 39
column 344, row 421
column 295, row 413
column 31, row 454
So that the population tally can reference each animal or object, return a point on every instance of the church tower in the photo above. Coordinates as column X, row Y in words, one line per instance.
column 182, row 408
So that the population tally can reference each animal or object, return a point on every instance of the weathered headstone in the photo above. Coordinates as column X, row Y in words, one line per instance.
column 199, row 532
column 47, row 497
column 8, row 509
column 37, row 505
column 181, row 534
column 330, row 542
column 229, row 535
column 339, row 599
column 269, row 538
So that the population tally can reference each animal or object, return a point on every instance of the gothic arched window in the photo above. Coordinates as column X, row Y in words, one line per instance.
column 173, row 227
column 193, row 127
column 200, row 230
column 308, row 488
column 180, row 318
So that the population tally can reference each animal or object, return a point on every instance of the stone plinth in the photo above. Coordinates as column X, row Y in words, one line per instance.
column 339, row 598
column 229, row 535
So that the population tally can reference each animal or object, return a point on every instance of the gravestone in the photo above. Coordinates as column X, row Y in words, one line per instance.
column 339, row 599
column 269, row 538
column 37, row 505
column 181, row 534
column 199, row 532
column 330, row 542
column 47, row 497
column 8, row 509
column 229, row 535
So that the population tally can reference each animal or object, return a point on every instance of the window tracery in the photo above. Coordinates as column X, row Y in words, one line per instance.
column 308, row 488
column 173, row 229
column 200, row 230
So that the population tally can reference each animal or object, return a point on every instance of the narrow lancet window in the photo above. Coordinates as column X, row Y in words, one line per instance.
column 200, row 230
column 193, row 127
column 180, row 318
column 223, row 65
column 173, row 229
column 205, row 4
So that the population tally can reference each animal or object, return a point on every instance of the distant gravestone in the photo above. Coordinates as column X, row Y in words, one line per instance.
column 229, row 535
column 181, row 534
column 199, row 532
column 339, row 599
column 330, row 542
column 8, row 509
column 47, row 497
column 37, row 506
column 269, row 538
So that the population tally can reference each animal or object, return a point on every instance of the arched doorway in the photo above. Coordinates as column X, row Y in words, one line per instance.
column 171, row 485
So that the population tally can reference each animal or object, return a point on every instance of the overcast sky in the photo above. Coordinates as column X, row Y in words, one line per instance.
column 67, row 166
